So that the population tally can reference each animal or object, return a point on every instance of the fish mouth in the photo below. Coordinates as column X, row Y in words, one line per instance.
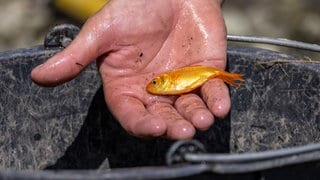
column 150, row 89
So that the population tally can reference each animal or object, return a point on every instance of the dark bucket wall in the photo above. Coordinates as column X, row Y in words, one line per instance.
column 277, row 106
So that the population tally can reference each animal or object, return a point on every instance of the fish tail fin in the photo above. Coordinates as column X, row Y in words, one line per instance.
column 231, row 78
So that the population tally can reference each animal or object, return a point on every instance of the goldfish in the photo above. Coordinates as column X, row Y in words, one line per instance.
column 189, row 78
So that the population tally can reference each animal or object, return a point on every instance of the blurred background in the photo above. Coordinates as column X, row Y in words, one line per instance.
column 25, row 22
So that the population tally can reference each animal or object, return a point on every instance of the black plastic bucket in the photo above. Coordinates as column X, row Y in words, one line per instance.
column 67, row 132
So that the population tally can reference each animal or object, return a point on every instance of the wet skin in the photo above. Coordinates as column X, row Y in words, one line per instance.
column 135, row 41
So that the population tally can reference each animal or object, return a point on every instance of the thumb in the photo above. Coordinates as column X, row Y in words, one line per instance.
column 84, row 49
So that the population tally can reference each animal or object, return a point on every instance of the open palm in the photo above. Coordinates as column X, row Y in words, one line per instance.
column 135, row 41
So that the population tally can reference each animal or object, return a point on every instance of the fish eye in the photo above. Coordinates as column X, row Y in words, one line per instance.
column 154, row 82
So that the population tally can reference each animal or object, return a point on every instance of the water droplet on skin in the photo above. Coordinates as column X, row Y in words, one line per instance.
column 184, row 129
column 219, row 107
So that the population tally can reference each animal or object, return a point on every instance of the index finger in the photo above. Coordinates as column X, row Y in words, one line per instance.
column 135, row 118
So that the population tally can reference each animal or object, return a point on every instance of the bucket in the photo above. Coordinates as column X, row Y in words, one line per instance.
column 67, row 132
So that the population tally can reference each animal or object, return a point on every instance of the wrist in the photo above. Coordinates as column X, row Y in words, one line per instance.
column 219, row 2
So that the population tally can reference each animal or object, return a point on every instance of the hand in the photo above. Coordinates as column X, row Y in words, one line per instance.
column 134, row 42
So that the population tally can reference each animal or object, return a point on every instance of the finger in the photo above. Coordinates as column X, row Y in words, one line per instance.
column 177, row 126
column 192, row 108
column 67, row 64
column 216, row 94
column 133, row 116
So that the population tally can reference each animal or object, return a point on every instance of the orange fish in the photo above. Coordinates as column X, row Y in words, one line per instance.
column 187, row 79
